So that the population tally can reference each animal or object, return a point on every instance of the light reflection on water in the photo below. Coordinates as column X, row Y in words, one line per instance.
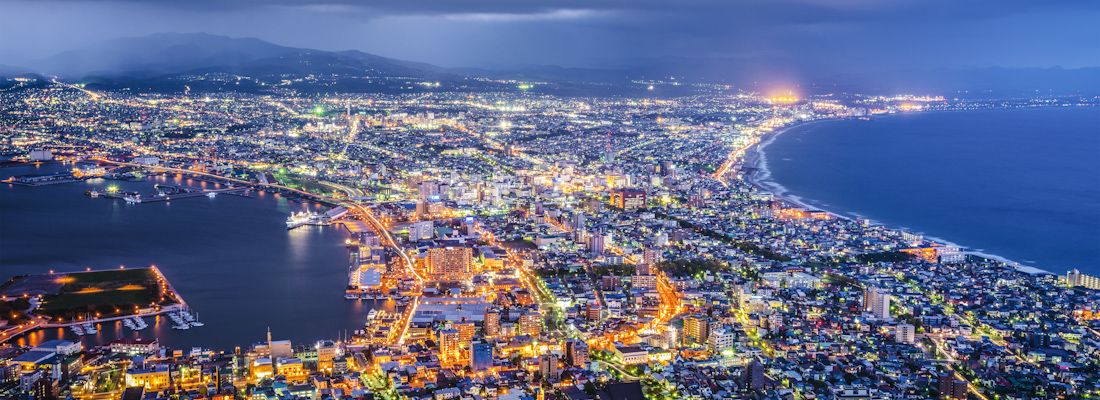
column 230, row 257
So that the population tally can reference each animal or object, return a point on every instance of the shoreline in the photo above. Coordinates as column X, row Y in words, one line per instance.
column 759, row 176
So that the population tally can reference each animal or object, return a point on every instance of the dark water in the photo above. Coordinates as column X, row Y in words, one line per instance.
column 1022, row 184
column 231, row 258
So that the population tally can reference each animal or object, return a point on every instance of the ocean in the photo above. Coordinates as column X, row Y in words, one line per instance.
column 1023, row 184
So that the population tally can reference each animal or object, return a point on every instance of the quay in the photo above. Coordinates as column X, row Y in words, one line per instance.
column 180, row 193
column 40, row 322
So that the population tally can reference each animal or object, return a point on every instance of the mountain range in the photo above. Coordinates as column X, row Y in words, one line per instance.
column 175, row 61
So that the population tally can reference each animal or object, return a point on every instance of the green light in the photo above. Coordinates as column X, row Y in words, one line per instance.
column 112, row 189
column 525, row 86
column 319, row 111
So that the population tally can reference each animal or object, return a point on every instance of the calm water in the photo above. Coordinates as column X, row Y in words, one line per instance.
column 1022, row 184
column 231, row 258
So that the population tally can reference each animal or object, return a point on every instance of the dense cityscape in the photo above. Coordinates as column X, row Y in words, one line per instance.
column 524, row 245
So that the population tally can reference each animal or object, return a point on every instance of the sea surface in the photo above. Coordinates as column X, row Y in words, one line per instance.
column 1023, row 184
column 231, row 258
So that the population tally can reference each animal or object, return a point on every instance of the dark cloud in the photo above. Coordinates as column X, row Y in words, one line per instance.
column 797, row 34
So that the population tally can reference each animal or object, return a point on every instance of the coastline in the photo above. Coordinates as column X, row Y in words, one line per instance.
column 759, row 176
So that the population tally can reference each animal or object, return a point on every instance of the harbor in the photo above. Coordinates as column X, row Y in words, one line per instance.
column 231, row 256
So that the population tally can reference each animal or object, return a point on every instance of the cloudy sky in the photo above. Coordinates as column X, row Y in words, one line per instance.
column 831, row 34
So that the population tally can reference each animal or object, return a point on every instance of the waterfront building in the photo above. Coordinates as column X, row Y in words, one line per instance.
column 40, row 155
column 1075, row 278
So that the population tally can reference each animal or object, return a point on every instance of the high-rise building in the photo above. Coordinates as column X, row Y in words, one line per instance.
column 449, row 345
column 721, row 340
column 593, row 311
column 466, row 330
column 906, row 333
column 530, row 323
column 481, row 356
column 450, row 263
column 952, row 388
column 576, row 353
column 1075, row 278
column 877, row 303
column 422, row 230
column 753, row 376
column 646, row 282
column 597, row 243
column 696, row 329
column 491, row 324
column 548, row 367
column 650, row 257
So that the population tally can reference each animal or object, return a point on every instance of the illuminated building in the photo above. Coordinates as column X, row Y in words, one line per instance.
column 367, row 276
column 530, row 323
column 134, row 346
column 40, row 155
column 952, row 388
column 593, row 311
column 491, row 325
column 261, row 367
column 548, row 367
column 326, row 353
column 466, row 330
column 876, row 302
column 421, row 230
column 153, row 379
column 905, row 333
column 631, row 355
column 450, row 263
column 647, row 282
column 576, row 353
column 1075, row 278
column 628, row 199
column 696, row 329
column 650, row 257
column 449, row 343
column 721, row 340
column 597, row 243
column 293, row 369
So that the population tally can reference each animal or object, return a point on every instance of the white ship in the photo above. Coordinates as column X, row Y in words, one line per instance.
column 301, row 218
column 76, row 329
column 211, row 194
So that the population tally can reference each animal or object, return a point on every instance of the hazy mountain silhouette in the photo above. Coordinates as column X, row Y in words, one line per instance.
column 180, row 53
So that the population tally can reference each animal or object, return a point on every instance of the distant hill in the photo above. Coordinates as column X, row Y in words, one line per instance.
column 175, row 62
column 165, row 54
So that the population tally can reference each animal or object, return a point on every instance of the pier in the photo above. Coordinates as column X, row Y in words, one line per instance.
column 176, row 193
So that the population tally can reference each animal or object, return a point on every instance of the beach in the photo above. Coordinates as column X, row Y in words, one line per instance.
column 758, row 171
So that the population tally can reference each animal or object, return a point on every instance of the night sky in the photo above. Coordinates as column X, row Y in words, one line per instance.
column 833, row 35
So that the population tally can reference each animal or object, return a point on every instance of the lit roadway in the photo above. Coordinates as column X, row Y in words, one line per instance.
column 354, row 207
column 361, row 211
